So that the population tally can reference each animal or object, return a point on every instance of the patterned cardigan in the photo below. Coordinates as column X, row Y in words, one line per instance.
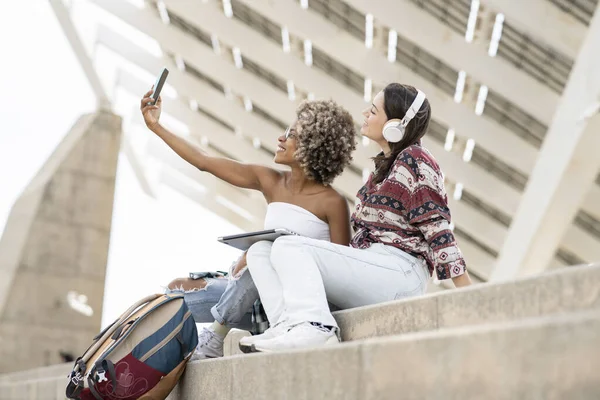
column 409, row 210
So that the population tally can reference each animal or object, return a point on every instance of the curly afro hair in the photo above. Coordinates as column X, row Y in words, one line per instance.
column 325, row 139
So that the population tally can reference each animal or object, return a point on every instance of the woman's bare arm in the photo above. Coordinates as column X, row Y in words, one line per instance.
column 338, row 217
column 248, row 176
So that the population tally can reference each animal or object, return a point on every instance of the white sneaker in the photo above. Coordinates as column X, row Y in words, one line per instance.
column 300, row 336
column 247, row 343
column 210, row 345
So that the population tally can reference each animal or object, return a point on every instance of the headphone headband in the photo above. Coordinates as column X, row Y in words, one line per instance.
column 413, row 109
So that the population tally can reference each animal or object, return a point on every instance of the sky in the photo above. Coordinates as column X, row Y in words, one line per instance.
column 43, row 91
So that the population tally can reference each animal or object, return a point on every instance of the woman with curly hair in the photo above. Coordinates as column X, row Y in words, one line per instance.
column 316, row 147
column 402, row 236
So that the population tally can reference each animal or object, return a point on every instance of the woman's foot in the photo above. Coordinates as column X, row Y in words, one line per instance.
column 305, row 335
column 247, row 343
column 210, row 345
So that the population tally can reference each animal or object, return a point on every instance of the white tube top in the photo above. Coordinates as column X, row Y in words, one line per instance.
column 296, row 219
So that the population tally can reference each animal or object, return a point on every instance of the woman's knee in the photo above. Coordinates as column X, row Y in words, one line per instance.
column 187, row 284
column 284, row 247
column 258, row 251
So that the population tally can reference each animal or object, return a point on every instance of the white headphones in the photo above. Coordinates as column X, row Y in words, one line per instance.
column 393, row 130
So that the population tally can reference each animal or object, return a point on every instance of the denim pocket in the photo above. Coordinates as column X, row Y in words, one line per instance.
column 406, row 262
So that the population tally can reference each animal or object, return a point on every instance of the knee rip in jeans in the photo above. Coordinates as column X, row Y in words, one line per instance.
column 181, row 289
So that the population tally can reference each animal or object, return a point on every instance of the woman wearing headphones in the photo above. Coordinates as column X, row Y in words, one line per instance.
column 402, row 236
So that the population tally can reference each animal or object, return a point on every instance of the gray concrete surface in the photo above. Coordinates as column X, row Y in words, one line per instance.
column 560, row 291
column 552, row 357
column 56, row 240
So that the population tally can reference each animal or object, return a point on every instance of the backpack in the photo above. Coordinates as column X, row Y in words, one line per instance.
column 141, row 355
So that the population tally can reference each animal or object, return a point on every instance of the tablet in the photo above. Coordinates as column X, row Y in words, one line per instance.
column 243, row 241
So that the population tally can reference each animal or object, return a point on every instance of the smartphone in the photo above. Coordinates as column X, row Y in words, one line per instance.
column 158, row 85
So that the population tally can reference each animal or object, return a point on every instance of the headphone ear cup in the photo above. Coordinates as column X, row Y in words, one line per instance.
column 392, row 133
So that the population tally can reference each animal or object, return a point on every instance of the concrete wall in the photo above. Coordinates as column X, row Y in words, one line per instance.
column 56, row 240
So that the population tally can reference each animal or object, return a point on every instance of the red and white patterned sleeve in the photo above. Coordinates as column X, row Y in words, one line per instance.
column 428, row 211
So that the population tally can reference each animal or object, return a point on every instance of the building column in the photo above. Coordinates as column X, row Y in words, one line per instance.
column 566, row 167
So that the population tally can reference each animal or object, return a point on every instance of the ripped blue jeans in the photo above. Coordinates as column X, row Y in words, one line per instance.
column 226, row 300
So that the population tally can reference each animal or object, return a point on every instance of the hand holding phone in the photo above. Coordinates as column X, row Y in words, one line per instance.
column 158, row 85
column 151, row 103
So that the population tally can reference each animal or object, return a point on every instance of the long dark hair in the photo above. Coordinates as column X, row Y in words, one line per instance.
column 397, row 99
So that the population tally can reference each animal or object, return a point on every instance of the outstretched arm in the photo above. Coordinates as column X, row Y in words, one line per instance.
column 248, row 176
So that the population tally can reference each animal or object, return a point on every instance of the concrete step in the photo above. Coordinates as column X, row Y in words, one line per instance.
column 50, row 371
column 551, row 357
column 560, row 291
column 41, row 388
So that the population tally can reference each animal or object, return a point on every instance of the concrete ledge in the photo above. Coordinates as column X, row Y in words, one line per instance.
column 555, row 357
column 51, row 371
column 230, row 346
column 566, row 290
column 50, row 388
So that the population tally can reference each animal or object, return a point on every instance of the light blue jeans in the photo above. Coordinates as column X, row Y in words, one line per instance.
column 226, row 300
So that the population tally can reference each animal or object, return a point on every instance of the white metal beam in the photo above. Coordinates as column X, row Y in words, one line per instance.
column 208, row 200
column 352, row 53
column 429, row 33
column 591, row 203
column 544, row 22
column 64, row 19
column 566, row 168
column 102, row 99
column 253, row 206
column 203, row 58
column 139, row 169
column 209, row 17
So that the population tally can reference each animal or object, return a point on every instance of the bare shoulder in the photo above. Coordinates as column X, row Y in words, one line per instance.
column 334, row 200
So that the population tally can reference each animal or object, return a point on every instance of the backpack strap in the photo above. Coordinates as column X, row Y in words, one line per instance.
column 108, row 332
column 103, row 369
column 75, row 385
column 93, row 390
